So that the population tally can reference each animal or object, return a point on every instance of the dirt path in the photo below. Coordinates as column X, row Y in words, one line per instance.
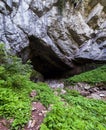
column 38, row 114
column 4, row 124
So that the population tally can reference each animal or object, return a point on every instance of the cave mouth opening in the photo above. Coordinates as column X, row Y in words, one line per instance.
column 45, row 60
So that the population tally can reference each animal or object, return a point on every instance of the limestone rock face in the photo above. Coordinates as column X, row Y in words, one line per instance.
column 54, row 41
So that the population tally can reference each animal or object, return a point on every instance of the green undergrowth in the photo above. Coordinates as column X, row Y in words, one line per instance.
column 15, row 100
column 15, row 89
column 68, row 111
column 95, row 76
column 76, row 113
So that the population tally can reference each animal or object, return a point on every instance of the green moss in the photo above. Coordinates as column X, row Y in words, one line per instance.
column 95, row 76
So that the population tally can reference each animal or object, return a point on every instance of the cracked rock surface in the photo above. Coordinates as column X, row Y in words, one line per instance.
column 55, row 43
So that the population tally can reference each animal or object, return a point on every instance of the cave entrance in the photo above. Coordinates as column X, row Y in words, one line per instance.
column 44, row 59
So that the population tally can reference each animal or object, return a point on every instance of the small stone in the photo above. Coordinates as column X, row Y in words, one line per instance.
column 86, row 87
column 60, row 85
column 40, row 114
column 63, row 91
column 102, row 95
column 33, row 108
column 80, row 85
column 34, row 103
column 33, row 123
column 29, row 123
column 37, row 128
column 44, row 111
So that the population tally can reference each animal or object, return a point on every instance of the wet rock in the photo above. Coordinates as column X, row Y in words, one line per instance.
column 90, row 91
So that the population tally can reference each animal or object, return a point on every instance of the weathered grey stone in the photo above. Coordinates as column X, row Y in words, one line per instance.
column 93, row 49
column 95, row 12
column 34, row 29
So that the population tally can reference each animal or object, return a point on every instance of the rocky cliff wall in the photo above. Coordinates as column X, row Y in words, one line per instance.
column 55, row 42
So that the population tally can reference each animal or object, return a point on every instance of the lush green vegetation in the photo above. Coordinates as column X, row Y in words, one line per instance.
column 76, row 113
column 95, row 76
column 15, row 87
column 69, row 111
column 15, row 102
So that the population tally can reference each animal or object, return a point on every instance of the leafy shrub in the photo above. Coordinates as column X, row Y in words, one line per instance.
column 2, row 73
column 15, row 102
column 15, row 88
column 2, row 54
column 45, row 95
column 15, row 105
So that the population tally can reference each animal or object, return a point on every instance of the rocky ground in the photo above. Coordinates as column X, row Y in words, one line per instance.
column 38, row 114
column 96, row 92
